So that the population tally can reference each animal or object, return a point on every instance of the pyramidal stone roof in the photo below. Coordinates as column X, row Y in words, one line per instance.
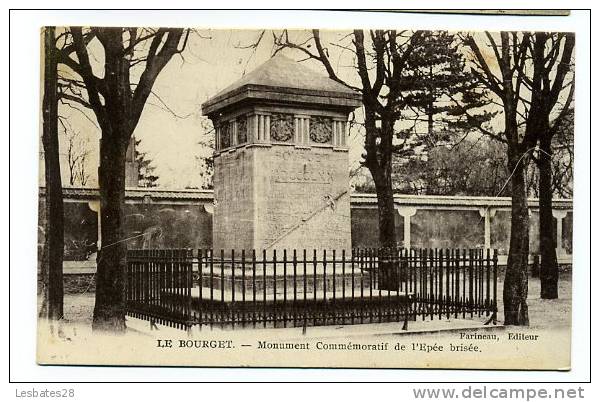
column 283, row 79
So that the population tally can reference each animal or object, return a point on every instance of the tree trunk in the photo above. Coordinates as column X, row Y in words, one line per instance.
column 118, row 109
column 52, row 275
column 548, row 264
column 109, row 310
column 430, row 125
column 388, row 278
column 385, row 208
column 515, row 280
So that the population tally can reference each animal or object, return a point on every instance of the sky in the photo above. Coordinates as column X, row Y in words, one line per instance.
column 172, row 126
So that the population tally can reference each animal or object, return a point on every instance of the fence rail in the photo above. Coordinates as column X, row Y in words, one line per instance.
column 183, row 288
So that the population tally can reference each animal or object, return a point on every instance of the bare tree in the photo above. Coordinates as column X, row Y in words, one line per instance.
column 563, row 156
column 205, row 160
column 117, row 100
column 77, row 154
column 52, row 279
column 385, row 53
column 509, row 59
column 514, row 74
column 471, row 167
column 551, row 58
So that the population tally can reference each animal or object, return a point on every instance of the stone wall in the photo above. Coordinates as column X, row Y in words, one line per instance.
column 81, row 229
column 185, row 220
column 364, row 228
column 457, row 222
column 75, row 283
column 167, row 225
column 447, row 229
column 157, row 225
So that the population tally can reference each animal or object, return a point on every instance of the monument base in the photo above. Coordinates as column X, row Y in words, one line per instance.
column 229, row 309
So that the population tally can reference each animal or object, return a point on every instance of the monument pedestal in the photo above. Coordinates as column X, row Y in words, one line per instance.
column 313, row 280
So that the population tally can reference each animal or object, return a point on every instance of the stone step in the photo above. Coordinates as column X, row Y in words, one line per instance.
column 278, row 283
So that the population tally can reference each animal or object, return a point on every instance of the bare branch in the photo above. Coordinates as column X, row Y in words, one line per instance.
column 85, row 71
column 486, row 76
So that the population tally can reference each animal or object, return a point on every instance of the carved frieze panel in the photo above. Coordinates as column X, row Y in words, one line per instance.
column 224, row 133
column 242, row 129
column 320, row 129
column 282, row 127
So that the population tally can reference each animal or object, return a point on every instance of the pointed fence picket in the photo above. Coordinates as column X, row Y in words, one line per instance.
column 182, row 288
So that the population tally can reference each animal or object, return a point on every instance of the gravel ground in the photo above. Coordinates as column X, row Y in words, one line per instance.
column 546, row 313
column 78, row 308
column 550, row 324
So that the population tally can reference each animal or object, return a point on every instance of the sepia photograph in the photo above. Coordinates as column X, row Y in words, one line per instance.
column 367, row 198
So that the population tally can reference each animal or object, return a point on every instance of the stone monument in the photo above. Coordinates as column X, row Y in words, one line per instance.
column 281, row 160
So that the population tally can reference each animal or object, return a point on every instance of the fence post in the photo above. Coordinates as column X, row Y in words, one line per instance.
column 201, row 262
column 274, row 288
column 333, row 275
column 325, row 301
column 447, row 296
column 243, row 305
column 295, row 267
column 171, row 255
column 431, row 284
column 304, row 312
column 440, row 302
column 284, row 288
column 344, row 275
column 128, row 279
column 232, row 306
column 352, row 279
column 189, row 285
column 382, row 269
column 315, row 302
column 160, row 286
column 212, row 287
column 254, row 288
column 264, row 276
column 487, row 282
column 495, row 313
column 481, row 282
column 372, row 277
column 471, row 281
column 222, row 306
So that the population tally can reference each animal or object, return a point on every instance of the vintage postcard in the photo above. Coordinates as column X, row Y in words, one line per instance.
column 306, row 198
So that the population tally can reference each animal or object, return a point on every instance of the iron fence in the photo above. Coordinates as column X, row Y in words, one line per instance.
column 183, row 288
